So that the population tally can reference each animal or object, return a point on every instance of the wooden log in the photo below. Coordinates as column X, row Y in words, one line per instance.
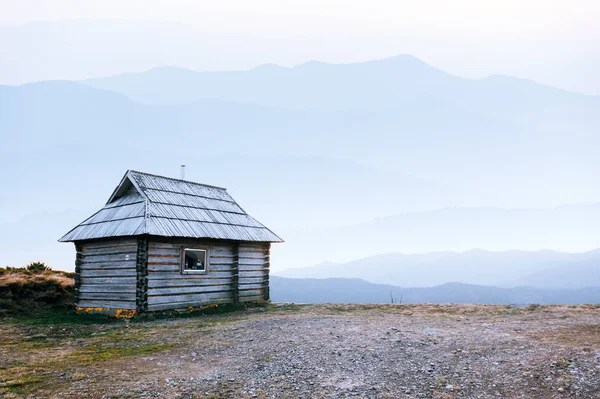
column 108, row 280
column 108, row 273
column 184, row 305
column 108, row 258
column 253, row 274
column 178, row 276
column 171, row 283
column 188, row 290
column 164, row 268
column 250, row 280
column 251, row 261
column 251, row 292
column 109, row 265
column 251, row 253
column 256, row 298
column 155, row 300
column 251, row 286
column 220, row 268
column 220, row 261
column 110, row 251
column 250, row 268
column 112, row 296
column 171, row 259
column 129, row 288
column 165, row 252
column 113, row 243
column 105, row 304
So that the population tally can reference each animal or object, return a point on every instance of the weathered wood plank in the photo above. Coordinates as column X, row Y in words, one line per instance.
column 250, row 261
column 249, row 268
column 177, row 276
column 188, row 290
column 164, row 268
column 216, row 248
column 109, row 244
column 251, row 252
column 107, row 280
column 111, row 296
column 253, row 274
column 220, row 261
column 108, row 265
column 171, row 259
column 184, row 305
column 251, row 292
column 250, row 280
column 111, row 251
column 264, row 258
column 173, row 283
column 108, row 258
column 104, row 304
column 107, row 273
column 219, row 268
column 250, row 245
column 164, row 252
column 255, row 298
column 251, row 286
column 161, row 245
column 129, row 288
column 155, row 300
column 218, row 256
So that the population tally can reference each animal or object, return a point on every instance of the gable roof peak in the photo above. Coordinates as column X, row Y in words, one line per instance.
column 134, row 172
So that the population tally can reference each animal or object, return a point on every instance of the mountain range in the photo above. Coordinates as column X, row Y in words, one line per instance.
column 340, row 290
column 539, row 269
column 318, row 152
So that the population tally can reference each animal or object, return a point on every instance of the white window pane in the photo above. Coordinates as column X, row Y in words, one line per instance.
column 194, row 260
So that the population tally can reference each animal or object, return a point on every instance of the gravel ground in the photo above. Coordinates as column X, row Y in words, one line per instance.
column 354, row 351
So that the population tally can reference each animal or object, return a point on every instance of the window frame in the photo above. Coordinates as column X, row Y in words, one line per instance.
column 194, row 248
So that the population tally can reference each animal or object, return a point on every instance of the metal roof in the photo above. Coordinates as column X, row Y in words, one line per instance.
column 149, row 204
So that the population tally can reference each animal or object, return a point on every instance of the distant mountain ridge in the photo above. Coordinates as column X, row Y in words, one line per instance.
column 385, row 84
column 340, row 290
column 462, row 163
column 540, row 269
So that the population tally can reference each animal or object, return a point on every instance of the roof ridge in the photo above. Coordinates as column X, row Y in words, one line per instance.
column 179, row 180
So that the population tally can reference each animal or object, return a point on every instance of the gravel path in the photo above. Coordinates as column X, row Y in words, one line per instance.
column 401, row 351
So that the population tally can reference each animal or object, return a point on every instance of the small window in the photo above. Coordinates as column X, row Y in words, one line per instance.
column 194, row 260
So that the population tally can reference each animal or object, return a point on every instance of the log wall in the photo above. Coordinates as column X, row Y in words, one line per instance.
column 168, row 288
column 144, row 274
column 106, row 274
column 253, row 265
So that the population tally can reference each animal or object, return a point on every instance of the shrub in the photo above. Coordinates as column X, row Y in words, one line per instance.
column 37, row 267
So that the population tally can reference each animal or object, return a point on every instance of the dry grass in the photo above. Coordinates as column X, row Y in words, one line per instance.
column 24, row 292
column 21, row 279
column 581, row 335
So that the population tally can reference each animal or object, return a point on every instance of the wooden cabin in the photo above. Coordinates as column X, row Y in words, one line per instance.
column 161, row 243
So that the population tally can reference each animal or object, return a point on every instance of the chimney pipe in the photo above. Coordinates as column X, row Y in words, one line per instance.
column 182, row 172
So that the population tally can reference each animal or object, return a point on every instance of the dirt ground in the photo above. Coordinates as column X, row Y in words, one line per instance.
column 313, row 351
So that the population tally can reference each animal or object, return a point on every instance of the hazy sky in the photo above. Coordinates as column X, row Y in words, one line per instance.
column 493, row 19
column 554, row 42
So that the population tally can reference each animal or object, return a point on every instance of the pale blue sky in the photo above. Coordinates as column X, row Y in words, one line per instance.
column 553, row 42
